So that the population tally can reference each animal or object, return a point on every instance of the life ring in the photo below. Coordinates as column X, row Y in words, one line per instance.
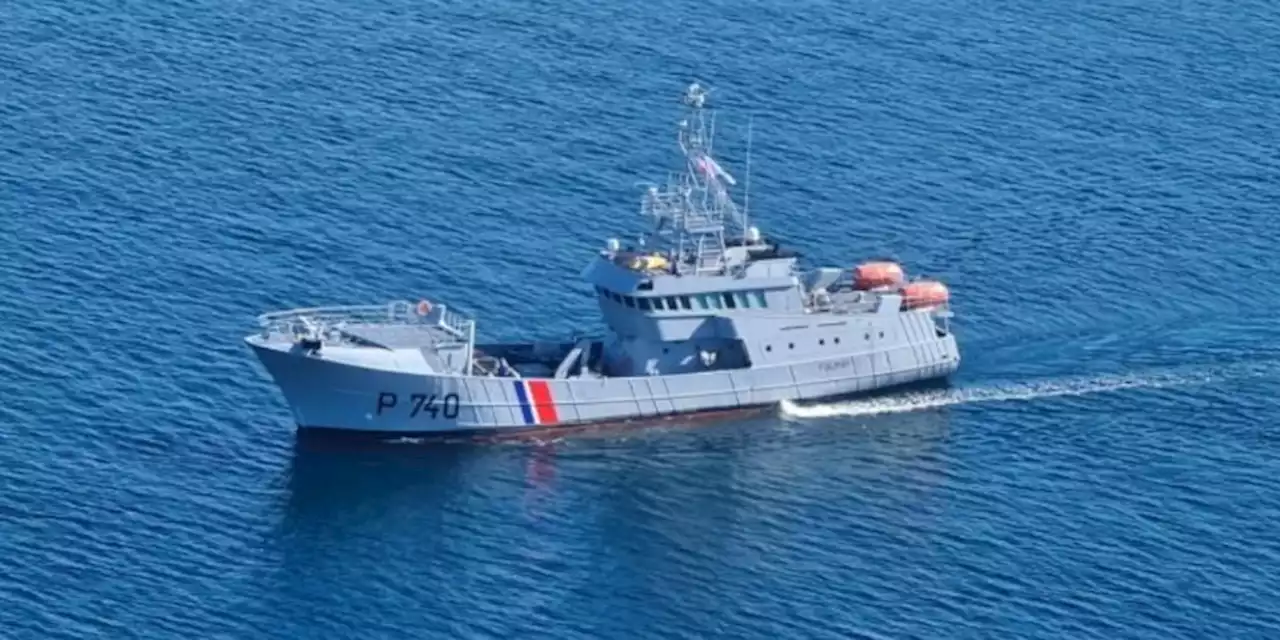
column 424, row 308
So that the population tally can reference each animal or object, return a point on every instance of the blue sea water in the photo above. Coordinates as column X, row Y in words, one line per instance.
column 1096, row 180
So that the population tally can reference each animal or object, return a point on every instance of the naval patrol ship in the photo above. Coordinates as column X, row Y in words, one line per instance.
column 704, row 315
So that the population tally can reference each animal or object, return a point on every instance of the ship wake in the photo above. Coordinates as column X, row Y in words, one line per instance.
column 1020, row 392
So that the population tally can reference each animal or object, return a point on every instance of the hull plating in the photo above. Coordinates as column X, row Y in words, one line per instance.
column 342, row 397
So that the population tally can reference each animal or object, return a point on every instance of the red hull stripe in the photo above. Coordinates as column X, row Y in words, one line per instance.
column 543, row 405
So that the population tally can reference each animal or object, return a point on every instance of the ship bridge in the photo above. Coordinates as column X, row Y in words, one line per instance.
column 700, row 258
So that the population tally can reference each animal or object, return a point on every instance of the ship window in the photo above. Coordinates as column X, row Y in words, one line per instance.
column 616, row 297
column 684, row 303
column 657, row 304
column 671, row 303
column 644, row 305
column 715, row 300
column 631, row 302
column 760, row 299
column 728, row 301
column 743, row 301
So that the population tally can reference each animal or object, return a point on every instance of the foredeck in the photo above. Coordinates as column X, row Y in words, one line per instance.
column 398, row 324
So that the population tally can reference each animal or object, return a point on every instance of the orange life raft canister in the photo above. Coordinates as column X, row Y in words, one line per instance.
column 925, row 293
column 873, row 275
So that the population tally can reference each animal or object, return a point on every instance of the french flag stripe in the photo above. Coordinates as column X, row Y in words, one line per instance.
column 523, row 397
column 544, row 406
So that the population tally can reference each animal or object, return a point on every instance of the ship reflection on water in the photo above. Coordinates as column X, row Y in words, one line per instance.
column 671, row 507
column 334, row 484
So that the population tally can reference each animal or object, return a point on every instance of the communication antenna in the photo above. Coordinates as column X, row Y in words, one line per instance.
column 746, row 187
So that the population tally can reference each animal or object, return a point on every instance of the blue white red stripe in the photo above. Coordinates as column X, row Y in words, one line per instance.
column 536, row 404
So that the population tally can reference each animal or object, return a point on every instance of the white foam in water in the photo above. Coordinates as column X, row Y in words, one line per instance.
column 916, row 401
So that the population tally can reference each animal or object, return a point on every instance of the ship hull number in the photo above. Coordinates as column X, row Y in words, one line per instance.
column 418, row 404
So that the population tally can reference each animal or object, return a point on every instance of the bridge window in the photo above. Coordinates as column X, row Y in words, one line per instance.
column 714, row 299
column 760, row 299
column 644, row 304
column 657, row 304
column 616, row 297
column 671, row 303
column 684, row 303
column 631, row 302
column 728, row 301
column 743, row 301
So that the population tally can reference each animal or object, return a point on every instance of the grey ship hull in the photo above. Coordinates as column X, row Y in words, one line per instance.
column 327, row 394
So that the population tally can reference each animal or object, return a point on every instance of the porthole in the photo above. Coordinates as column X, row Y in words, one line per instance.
column 836, row 340
column 881, row 334
column 822, row 342
column 768, row 347
column 867, row 336
column 791, row 345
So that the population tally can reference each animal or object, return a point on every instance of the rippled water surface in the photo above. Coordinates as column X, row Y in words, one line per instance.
column 1096, row 180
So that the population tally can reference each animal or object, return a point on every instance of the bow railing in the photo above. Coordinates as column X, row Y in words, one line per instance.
column 322, row 322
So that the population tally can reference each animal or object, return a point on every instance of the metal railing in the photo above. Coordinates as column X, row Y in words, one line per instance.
column 456, row 323
column 322, row 322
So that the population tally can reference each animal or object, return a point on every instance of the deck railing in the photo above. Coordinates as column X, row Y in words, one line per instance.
column 323, row 320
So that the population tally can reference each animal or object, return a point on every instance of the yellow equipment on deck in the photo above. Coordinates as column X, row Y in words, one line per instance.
column 651, row 262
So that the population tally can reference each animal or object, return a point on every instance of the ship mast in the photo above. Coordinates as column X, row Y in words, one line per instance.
column 690, row 211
